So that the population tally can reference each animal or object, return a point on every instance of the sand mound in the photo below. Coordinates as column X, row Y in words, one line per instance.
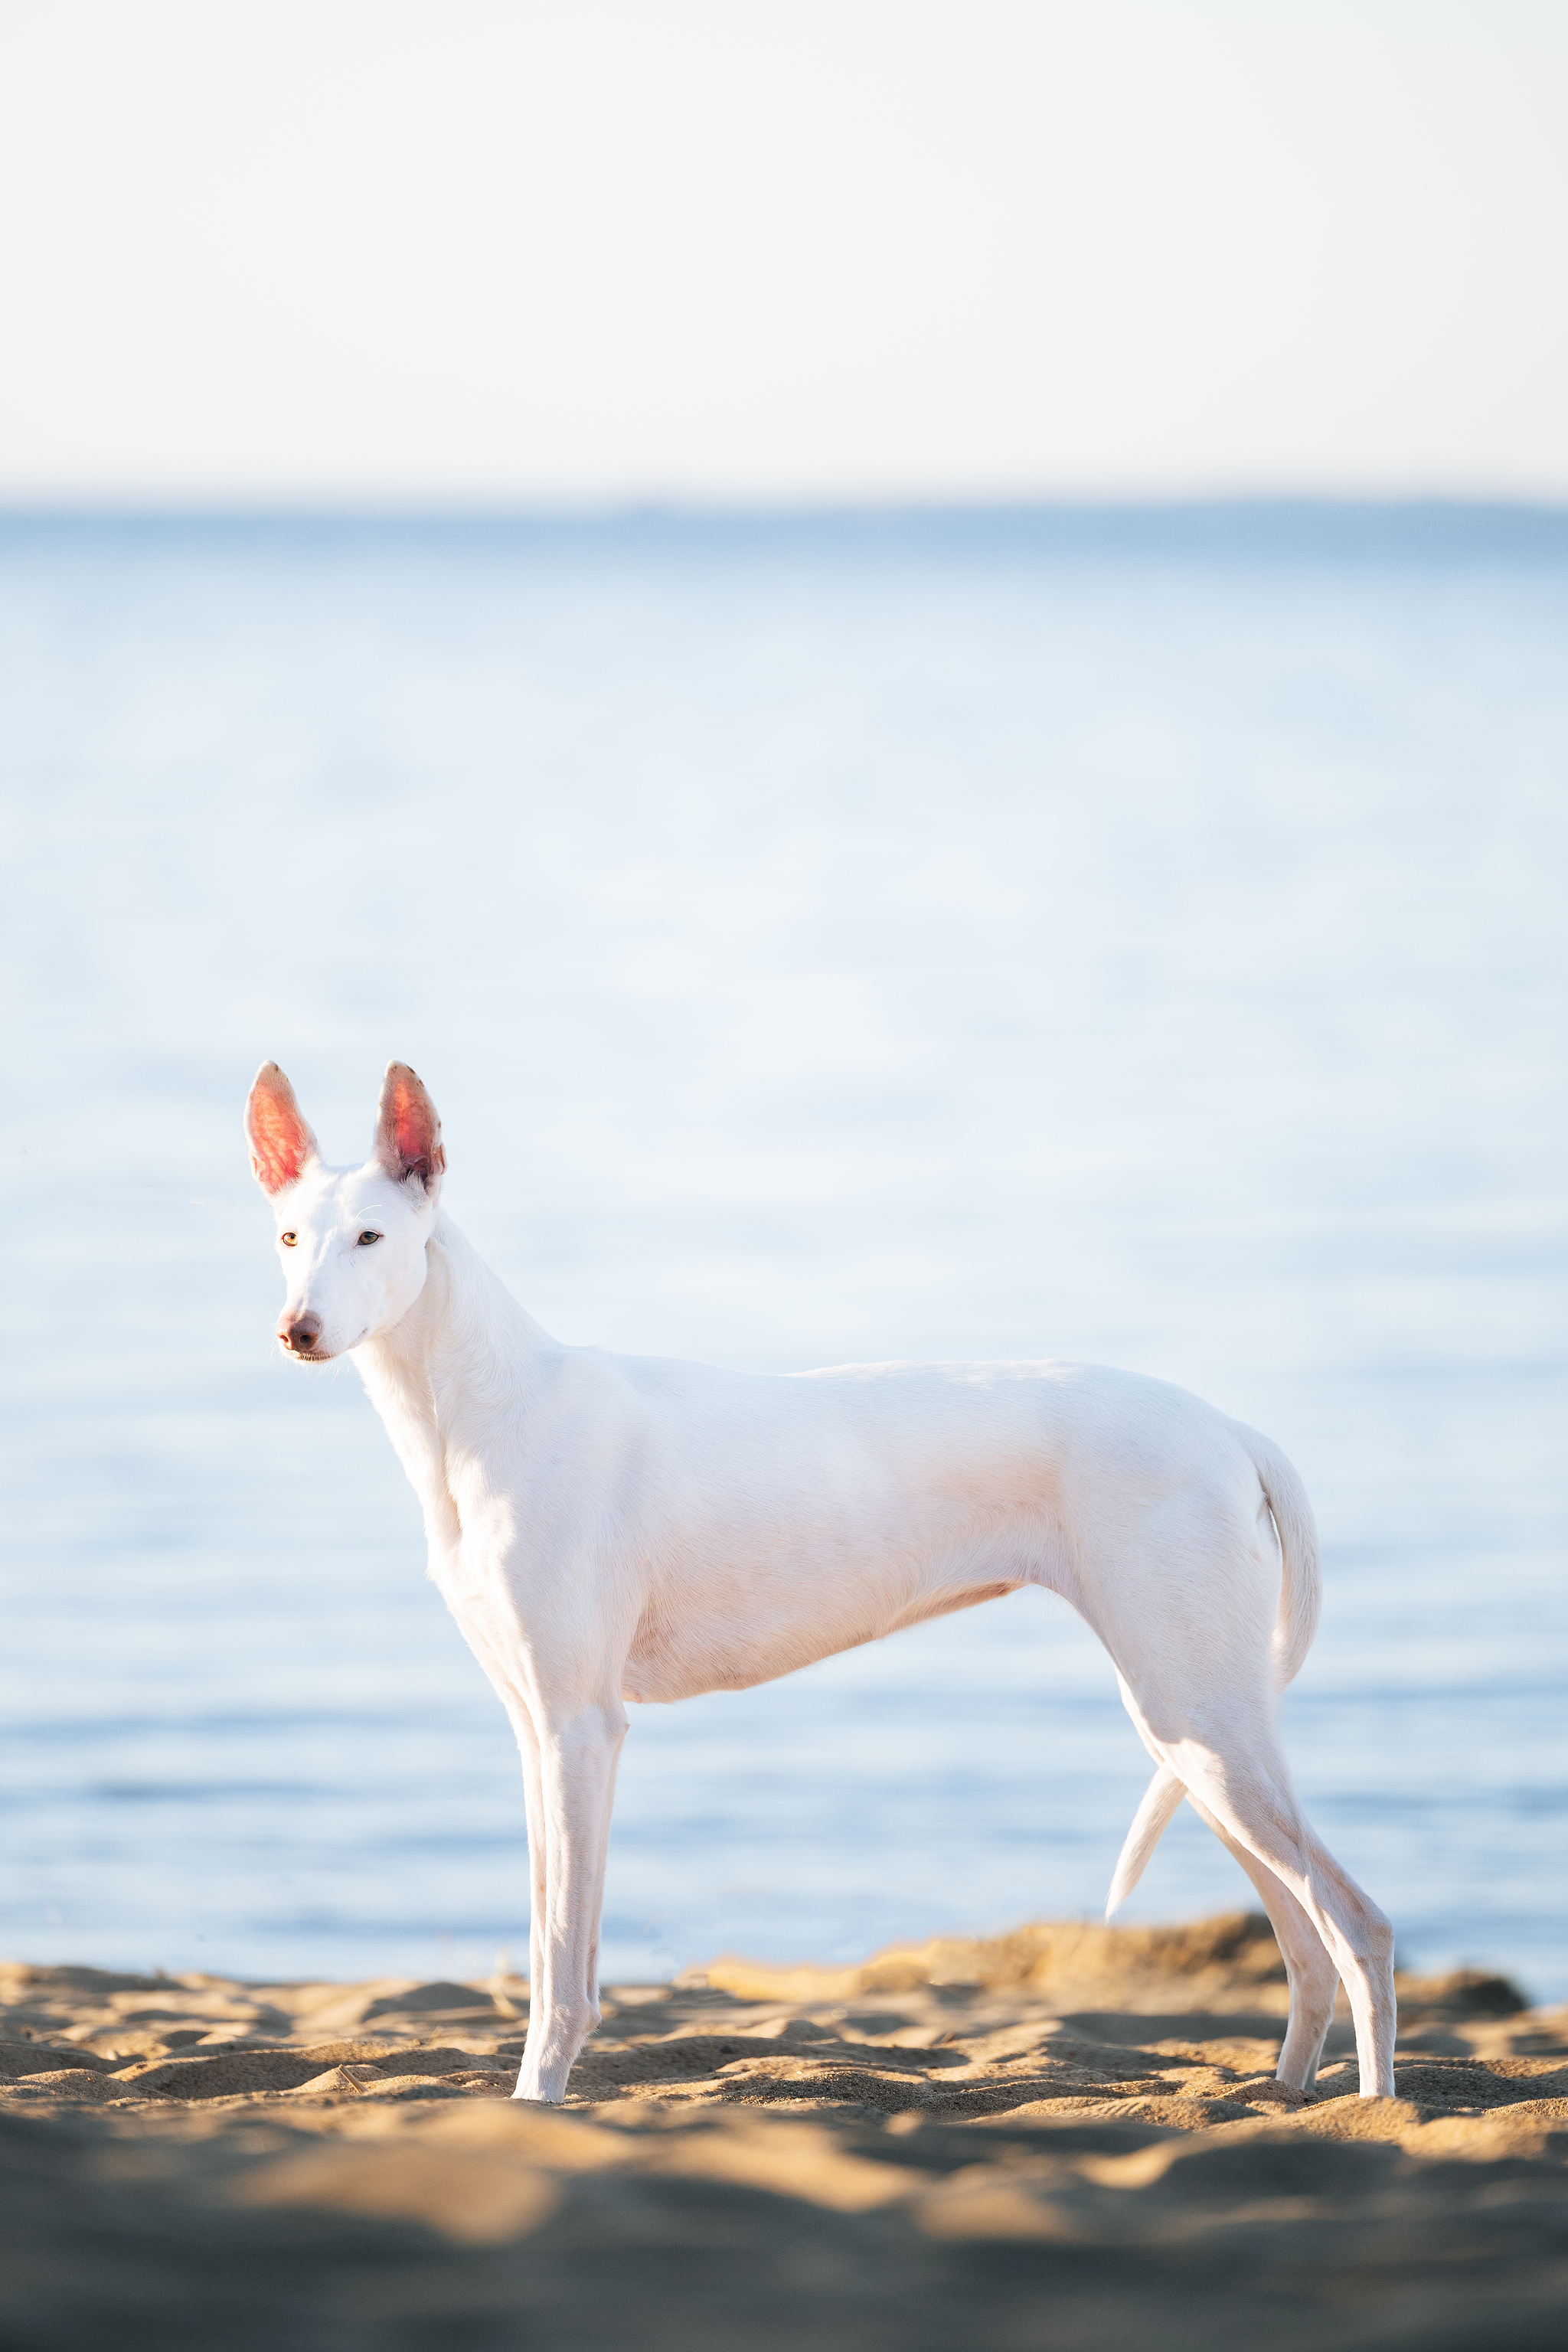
column 1067, row 2136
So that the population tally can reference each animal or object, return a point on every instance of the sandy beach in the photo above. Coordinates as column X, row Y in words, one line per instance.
column 1069, row 2136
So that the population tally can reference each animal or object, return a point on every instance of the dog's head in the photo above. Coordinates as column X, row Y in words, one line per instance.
column 351, row 1239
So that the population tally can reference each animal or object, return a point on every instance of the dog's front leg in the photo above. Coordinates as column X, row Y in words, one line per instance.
column 576, row 1787
column 538, row 1877
column 509, row 1682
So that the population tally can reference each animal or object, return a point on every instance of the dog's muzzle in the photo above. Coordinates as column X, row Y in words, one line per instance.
column 299, row 1337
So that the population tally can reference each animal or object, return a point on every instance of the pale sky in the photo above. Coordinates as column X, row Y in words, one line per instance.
column 473, row 250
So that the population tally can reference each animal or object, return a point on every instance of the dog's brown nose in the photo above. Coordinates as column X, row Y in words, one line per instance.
column 302, row 1334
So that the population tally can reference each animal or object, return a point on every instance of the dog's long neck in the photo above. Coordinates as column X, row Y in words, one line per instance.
column 464, row 1352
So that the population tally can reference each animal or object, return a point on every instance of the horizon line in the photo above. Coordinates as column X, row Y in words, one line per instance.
column 871, row 507
column 1253, row 529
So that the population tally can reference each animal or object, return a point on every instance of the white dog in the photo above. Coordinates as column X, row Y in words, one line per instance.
column 612, row 1528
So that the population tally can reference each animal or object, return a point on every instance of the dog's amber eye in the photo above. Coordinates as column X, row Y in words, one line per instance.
column 366, row 1240
column 288, row 1240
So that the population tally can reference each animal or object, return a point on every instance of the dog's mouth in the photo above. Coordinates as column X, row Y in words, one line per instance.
column 316, row 1353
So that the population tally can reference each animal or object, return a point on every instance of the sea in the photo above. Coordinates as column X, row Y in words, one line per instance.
column 1135, row 935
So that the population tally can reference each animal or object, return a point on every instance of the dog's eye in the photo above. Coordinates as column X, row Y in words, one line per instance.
column 366, row 1240
column 288, row 1240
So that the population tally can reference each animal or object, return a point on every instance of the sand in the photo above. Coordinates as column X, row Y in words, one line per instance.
column 1069, row 2137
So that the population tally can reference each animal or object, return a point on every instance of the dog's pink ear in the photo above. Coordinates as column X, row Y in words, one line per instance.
column 407, row 1129
column 282, row 1144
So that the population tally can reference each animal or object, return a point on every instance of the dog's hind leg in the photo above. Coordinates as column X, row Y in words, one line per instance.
column 1364, row 1958
column 1187, row 1611
column 1311, row 1974
column 1244, row 1785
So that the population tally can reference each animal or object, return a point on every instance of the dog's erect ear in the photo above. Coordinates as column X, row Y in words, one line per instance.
column 407, row 1129
column 282, row 1144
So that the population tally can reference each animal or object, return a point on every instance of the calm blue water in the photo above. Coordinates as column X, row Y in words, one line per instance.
column 1140, row 938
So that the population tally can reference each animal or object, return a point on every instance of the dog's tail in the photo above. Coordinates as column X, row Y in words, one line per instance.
column 1149, row 1822
column 1301, row 1600
column 1300, row 1562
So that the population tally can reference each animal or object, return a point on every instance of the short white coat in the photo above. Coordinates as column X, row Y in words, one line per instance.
column 608, row 1527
